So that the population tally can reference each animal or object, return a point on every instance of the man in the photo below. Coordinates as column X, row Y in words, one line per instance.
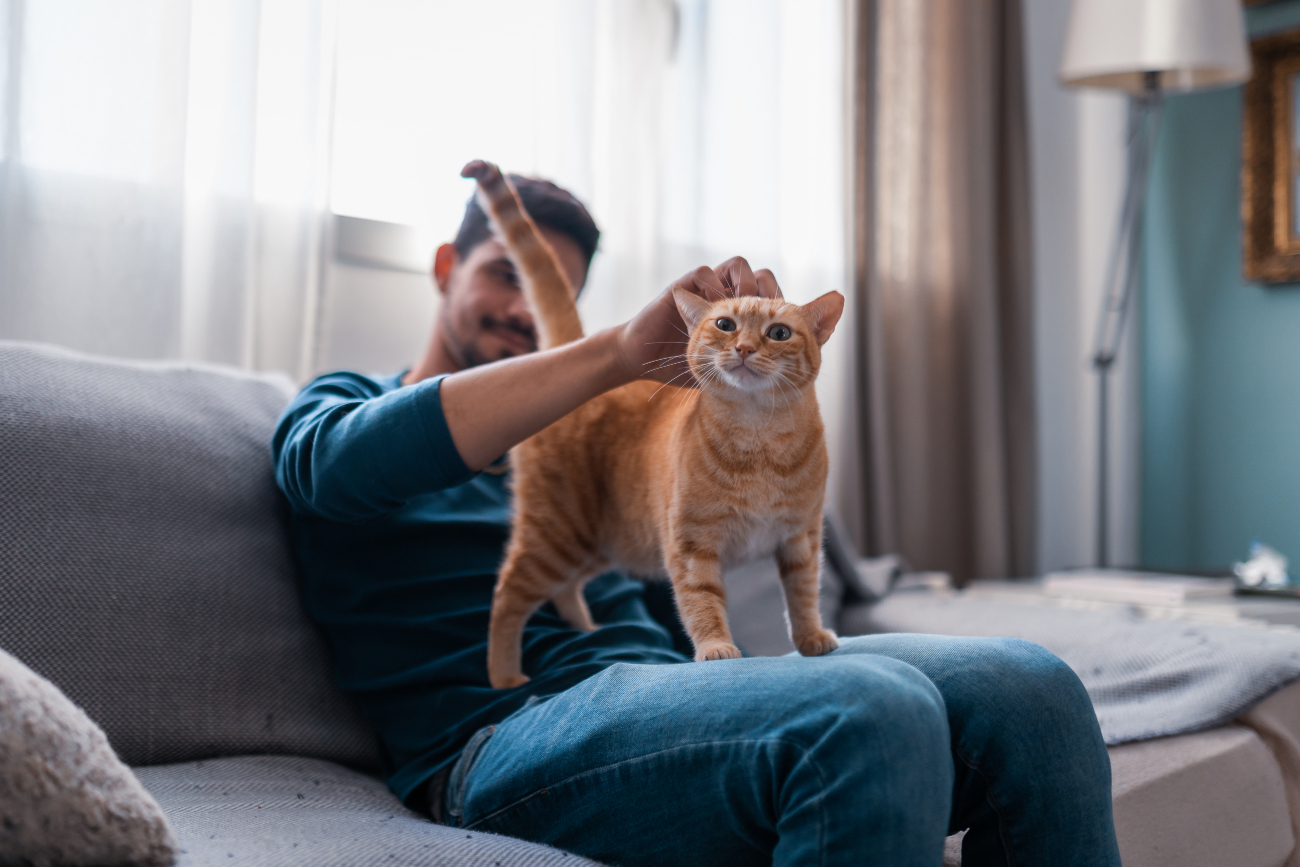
column 620, row 748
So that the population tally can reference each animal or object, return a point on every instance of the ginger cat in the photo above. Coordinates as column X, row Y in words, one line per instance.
column 691, row 482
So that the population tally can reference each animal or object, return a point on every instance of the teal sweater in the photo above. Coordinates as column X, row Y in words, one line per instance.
column 399, row 544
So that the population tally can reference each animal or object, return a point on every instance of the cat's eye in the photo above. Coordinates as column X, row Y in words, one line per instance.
column 779, row 332
column 725, row 324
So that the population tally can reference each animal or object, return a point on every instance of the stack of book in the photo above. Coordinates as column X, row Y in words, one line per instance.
column 1135, row 588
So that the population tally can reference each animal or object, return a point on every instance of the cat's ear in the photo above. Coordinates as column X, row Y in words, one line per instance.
column 824, row 312
column 691, row 306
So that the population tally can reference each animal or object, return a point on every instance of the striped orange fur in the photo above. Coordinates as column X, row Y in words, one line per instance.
column 656, row 479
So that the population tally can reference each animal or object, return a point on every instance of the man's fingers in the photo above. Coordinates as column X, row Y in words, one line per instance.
column 703, row 282
column 738, row 277
column 767, row 287
column 732, row 279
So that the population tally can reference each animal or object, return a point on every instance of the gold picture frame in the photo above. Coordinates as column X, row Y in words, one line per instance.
column 1270, row 162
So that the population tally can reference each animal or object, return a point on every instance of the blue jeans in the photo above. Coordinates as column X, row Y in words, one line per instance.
column 869, row 755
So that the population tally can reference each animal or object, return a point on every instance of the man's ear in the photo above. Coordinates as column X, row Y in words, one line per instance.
column 691, row 306
column 444, row 260
column 824, row 312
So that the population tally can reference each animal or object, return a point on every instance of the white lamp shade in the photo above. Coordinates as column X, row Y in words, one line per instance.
column 1191, row 44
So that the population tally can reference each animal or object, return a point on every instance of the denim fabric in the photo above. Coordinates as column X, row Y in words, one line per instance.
column 869, row 755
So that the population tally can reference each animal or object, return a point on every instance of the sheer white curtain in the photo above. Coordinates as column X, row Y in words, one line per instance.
column 168, row 164
column 164, row 176
column 694, row 130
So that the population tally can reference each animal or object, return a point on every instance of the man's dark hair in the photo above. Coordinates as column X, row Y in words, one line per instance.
column 546, row 203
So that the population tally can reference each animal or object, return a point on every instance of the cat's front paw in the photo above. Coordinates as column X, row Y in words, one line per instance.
column 716, row 650
column 817, row 643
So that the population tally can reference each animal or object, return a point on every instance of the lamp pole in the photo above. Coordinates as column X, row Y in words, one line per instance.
column 1122, row 270
column 1146, row 48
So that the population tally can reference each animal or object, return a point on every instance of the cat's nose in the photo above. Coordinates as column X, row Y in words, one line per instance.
column 744, row 350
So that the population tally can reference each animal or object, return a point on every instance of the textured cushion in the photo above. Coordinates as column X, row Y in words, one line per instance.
column 144, row 561
column 65, row 798
column 279, row 811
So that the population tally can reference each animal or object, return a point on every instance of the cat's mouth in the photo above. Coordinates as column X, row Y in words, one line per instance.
column 740, row 375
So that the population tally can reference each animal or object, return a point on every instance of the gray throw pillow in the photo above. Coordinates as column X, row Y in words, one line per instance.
column 65, row 797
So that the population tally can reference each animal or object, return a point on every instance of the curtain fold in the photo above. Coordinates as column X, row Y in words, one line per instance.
column 942, row 283
column 165, row 164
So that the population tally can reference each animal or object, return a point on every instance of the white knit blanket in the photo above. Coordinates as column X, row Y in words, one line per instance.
column 1147, row 678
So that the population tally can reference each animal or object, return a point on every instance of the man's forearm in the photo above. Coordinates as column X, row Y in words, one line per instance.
column 491, row 409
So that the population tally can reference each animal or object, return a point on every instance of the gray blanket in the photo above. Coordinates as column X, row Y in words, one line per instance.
column 1147, row 678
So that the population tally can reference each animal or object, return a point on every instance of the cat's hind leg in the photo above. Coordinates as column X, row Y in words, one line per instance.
column 572, row 606
column 505, row 639
column 525, row 584
column 799, row 562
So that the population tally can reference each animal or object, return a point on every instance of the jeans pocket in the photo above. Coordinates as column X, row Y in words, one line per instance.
column 460, row 773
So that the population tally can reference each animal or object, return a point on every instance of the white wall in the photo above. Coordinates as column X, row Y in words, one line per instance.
column 373, row 320
column 1077, row 153
column 378, row 301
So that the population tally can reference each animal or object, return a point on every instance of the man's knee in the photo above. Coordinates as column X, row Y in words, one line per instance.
column 1007, row 672
column 885, row 754
column 1032, row 677
column 876, row 701
column 1035, row 697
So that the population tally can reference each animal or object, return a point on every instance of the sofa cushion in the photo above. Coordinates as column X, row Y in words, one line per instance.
column 145, row 567
column 280, row 811
column 1212, row 797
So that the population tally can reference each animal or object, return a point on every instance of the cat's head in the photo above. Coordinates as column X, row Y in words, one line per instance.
column 757, row 345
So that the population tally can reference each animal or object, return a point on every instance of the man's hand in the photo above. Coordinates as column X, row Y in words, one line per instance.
column 493, row 407
column 652, row 345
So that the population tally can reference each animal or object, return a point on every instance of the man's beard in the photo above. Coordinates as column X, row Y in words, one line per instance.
column 468, row 353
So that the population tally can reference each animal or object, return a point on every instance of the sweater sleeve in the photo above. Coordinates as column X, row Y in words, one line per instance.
column 347, row 448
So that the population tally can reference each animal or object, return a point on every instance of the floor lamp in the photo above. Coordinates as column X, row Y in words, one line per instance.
column 1146, row 48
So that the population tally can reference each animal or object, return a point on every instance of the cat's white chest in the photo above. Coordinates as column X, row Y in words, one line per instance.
column 751, row 538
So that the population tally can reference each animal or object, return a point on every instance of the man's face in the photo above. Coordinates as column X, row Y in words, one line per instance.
column 484, row 316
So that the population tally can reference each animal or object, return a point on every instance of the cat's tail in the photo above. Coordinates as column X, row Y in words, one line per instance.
column 544, row 282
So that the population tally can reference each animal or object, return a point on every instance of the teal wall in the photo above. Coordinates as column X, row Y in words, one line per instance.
column 1220, row 356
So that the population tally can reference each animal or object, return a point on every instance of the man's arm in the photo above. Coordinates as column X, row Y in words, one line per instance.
column 491, row 409
column 344, row 449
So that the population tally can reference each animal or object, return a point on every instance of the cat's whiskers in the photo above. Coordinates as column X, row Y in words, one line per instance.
column 771, row 411
column 662, row 363
column 780, row 353
column 709, row 375
column 668, row 383
column 664, row 358
column 778, row 379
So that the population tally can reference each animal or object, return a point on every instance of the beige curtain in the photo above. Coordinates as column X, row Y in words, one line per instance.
column 943, row 293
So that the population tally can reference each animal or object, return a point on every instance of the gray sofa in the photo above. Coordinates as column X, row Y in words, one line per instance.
column 145, row 570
